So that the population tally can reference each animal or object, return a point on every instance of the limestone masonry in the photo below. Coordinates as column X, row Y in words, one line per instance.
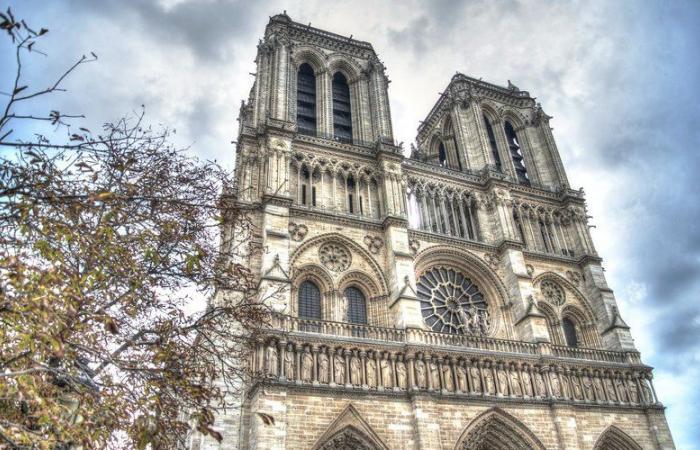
column 449, row 300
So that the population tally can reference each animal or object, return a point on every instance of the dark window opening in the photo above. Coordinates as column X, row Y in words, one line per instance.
column 357, row 307
column 545, row 237
column 351, row 189
column 303, row 194
column 442, row 155
column 516, row 154
column 492, row 144
column 306, row 100
column 342, row 119
column 362, row 212
column 569, row 332
column 313, row 196
column 309, row 301
column 519, row 226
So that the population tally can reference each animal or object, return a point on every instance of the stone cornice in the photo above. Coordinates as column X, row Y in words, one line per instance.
column 335, row 218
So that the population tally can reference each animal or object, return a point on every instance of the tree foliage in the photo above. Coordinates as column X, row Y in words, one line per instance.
column 106, row 240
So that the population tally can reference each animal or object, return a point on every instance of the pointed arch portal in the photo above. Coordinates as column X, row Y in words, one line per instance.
column 495, row 429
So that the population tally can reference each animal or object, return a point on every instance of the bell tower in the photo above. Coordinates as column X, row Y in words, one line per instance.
column 447, row 299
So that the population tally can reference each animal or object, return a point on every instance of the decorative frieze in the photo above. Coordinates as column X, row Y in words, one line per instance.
column 408, row 368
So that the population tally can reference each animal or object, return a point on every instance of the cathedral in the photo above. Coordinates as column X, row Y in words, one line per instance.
column 444, row 297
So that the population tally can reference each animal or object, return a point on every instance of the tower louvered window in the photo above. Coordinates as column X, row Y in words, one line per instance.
column 306, row 100
column 342, row 119
column 442, row 155
column 309, row 301
column 516, row 154
column 357, row 306
column 492, row 144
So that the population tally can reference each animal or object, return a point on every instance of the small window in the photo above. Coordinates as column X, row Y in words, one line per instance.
column 442, row 155
column 303, row 194
column 569, row 332
column 362, row 211
column 309, row 301
column 313, row 196
column 357, row 307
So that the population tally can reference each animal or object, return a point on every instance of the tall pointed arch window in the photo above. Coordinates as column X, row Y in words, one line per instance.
column 306, row 100
column 357, row 306
column 442, row 155
column 309, row 299
column 342, row 119
column 516, row 153
column 492, row 144
column 569, row 332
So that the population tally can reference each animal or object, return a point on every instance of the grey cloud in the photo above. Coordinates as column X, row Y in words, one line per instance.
column 207, row 27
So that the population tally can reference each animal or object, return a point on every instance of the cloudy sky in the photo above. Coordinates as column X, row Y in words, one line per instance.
column 620, row 79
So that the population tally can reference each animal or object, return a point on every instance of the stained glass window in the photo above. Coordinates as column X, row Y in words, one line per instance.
column 309, row 301
column 452, row 303
column 357, row 306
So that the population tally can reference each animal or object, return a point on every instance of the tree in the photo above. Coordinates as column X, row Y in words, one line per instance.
column 105, row 241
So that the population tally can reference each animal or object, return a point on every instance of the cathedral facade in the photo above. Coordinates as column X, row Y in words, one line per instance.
column 452, row 299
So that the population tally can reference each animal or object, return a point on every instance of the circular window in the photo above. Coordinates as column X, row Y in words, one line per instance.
column 335, row 257
column 451, row 303
column 552, row 292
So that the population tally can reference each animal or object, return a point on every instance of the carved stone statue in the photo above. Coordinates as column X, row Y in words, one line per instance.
column 461, row 374
column 587, row 388
column 646, row 392
column 610, row 389
column 355, row 370
column 371, row 373
column 289, row 363
column 323, row 366
column 434, row 375
column 476, row 379
column 387, row 373
column 447, row 377
column 271, row 362
column 307, row 364
column 634, row 394
column 420, row 374
column 578, row 393
column 502, row 381
column 598, row 387
column 556, row 385
column 539, row 382
column 527, row 383
column 622, row 389
column 515, row 384
column 488, row 381
column 339, row 369
column 401, row 374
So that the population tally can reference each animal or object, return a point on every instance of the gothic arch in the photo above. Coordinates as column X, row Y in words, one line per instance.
column 344, row 65
column 578, row 310
column 480, row 273
column 318, row 275
column 614, row 438
column 567, row 285
column 496, row 429
column 378, row 274
column 349, row 431
column 311, row 56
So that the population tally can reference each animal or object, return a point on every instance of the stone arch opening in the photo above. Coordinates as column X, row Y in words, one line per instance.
column 614, row 438
column 495, row 429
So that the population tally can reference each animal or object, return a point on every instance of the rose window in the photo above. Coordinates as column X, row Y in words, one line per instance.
column 552, row 292
column 451, row 303
column 334, row 256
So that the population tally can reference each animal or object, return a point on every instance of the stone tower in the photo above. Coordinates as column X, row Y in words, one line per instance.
column 450, row 300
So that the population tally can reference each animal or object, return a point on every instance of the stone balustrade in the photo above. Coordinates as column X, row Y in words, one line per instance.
column 309, row 360
column 289, row 324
